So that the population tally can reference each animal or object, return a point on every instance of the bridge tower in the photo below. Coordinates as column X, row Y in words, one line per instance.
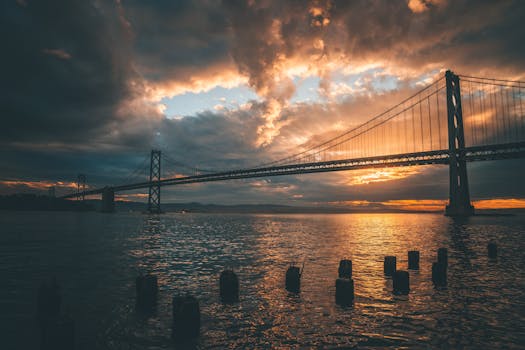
column 81, row 186
column 108, row 200
column 154, row 179
column 459, row 196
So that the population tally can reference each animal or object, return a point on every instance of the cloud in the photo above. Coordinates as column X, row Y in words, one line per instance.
column 15, row 186
column 59, row 53
column 67, row 79
column 418, row 6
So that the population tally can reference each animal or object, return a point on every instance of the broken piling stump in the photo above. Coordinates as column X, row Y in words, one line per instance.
column 413, row 260
column 186, row 318
column 401, row 282
column 344, row 291
column 229, row 286
column 389, row 265
column 147, row 291
column 439, row 274
column 293, row 279
column 345, row 268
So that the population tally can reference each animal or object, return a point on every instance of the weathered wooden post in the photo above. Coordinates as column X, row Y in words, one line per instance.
column 389, row 265
column 147, row 290
column 186, row 317
column 492, row 250
column 413, row 260
column 56, row 332
column 344, row 291
column 293, row 279
column 229, row 287
column 439, row 274
column 401, row 282
column 442, row 256
column 345, row 268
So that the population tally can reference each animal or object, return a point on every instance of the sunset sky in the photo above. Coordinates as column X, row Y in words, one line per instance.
column 92, row 86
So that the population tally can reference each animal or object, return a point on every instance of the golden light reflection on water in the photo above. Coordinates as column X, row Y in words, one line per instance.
column 188, row 252
column 322, row 242
column 99, row 256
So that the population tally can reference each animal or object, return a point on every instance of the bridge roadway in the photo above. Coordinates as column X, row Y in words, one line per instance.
column 478, row 153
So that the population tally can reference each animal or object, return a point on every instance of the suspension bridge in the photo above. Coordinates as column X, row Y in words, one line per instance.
column 452, row 121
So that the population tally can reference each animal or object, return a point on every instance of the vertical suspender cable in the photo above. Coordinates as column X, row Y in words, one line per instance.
column 429, row 123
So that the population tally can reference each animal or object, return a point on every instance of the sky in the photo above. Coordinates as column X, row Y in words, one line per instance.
column 92, row 86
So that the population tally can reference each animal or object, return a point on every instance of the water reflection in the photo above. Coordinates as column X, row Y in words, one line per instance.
column 482, row 307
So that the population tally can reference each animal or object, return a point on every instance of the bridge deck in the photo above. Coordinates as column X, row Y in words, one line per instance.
column 479, row 153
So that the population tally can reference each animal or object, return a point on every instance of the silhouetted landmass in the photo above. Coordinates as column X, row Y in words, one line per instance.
column 281, row 209
column 194, row 207
column 35, row 202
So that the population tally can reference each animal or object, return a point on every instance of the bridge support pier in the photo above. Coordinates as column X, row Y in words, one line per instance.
column 459, row 196
column 108, row 200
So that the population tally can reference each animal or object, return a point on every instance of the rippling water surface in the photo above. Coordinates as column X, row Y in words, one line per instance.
column 96, row 258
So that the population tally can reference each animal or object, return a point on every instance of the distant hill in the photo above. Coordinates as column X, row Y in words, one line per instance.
column 36, row 202
column 246, row 208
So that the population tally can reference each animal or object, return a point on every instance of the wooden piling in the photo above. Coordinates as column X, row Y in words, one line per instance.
column 413, row 260
column 293, row 279
column 344, row 291
column 439, row 274
column 442, row 256
column 401, row 282
column 492, row 250
column 229, row 287
column 389, row 265
column 345, row 268
column 186, row 317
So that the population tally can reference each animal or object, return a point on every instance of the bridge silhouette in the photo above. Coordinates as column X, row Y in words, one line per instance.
column 444, row 123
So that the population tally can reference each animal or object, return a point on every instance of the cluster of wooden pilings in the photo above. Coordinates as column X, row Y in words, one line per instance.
column 58, row 332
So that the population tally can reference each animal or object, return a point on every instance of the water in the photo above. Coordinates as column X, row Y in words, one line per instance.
column 96, row 258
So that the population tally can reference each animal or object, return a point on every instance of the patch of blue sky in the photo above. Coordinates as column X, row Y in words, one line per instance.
column 425, row 79
column 306, row 90
column 376, row 77
column 190, row 104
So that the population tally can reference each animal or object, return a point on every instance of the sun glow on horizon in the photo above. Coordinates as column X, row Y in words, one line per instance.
column 364, row 177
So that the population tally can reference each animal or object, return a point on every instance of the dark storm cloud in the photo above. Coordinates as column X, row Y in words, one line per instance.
column 173, row 38
column 65, row 66
column 463, row 34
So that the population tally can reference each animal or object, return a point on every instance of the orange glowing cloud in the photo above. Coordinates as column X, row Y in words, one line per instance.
column 500, row 203
column 380, row 175
column 130, row 197
column 419, row 6
column 353, row 203
column 37, row 185
column 202, row 80
column 417, row 204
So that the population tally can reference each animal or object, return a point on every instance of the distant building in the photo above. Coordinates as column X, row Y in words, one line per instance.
column 51, row 191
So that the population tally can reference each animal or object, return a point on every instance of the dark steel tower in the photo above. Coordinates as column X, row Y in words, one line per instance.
column 459, row 196
column 154, row 179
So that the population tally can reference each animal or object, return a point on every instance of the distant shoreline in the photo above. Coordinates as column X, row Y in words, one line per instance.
column 45, row 203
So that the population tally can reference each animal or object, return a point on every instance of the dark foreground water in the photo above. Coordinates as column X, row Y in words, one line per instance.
column 96, row 258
